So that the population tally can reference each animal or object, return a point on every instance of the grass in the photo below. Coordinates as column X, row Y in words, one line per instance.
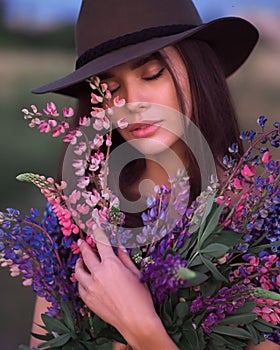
column 255, row 88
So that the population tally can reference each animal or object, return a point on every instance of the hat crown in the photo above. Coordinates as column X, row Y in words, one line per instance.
column 103, row 20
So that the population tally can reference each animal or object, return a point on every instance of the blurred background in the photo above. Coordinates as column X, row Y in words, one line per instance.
column 37, row 46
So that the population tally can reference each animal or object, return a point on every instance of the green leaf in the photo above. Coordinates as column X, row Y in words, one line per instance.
column 73, row 345
column 186, row 274
column 228, row 238
column 216, row 273
column 58, row 341
column 229, row 341
column 54, row 325
column 211, row 225
column 67, row 315
column 255, row 336
column 247, row 307
column 263, row 326
column 215, row 250
column 237, row 332
column 47, row 336
column 239, row 319
column 190, row 336
column 181, row 310
column 198, row 279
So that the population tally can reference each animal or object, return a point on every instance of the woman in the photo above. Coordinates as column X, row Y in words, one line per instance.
column 151, row 56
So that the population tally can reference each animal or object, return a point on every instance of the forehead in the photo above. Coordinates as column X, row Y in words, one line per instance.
column 133, row 64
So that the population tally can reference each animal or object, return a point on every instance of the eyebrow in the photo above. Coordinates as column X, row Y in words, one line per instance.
column 136, row 64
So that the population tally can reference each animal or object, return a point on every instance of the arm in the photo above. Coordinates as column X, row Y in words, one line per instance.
column 266, row 345
column 41, row 306
column 111, row 288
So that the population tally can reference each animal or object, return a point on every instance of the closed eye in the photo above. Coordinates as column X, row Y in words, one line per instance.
column 156, row 76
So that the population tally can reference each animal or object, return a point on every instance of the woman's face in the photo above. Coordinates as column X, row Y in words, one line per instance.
column 152, row 108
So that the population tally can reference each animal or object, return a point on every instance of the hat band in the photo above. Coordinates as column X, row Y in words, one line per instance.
column 130, row 39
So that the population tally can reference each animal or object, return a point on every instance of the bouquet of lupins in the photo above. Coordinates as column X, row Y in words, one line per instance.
column 212, row 266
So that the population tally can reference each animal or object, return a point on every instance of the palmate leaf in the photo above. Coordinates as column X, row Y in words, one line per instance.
column 67, row 315
column 264, row 326
column 54, row 325
column 215, row 250
column 256, row 337
column 247, row 307
column 211, row 226
column 191, row 338
column 216, row 273
column 56, row 342
column 228, row 238
column 235, row 332
column 239, row 319
column 225, row 342
column 73, row 345
column 181, row 310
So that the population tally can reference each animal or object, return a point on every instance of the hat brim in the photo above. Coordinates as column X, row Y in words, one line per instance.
column 231, row 38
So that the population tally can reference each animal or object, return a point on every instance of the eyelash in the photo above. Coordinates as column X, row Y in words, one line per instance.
column 153, row 77
column 156, row 76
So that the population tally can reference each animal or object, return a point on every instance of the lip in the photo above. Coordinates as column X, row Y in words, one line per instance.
column 144, row 129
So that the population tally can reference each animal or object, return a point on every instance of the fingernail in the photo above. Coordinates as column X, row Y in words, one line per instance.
column 79, row 242
column 123, row 249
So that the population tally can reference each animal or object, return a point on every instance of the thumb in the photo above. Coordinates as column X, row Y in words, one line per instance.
column 126, row 260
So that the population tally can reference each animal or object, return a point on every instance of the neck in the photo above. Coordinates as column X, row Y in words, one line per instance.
column 160, row 167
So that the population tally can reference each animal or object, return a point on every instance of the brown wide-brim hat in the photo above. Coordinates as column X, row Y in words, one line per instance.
column 112, row 32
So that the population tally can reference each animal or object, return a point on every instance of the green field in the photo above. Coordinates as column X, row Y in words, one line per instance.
column 256, row 91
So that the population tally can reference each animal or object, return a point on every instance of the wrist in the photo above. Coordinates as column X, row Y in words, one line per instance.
column 149, row 335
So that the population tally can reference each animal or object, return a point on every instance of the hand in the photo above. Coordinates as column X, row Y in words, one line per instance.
column 110, row 287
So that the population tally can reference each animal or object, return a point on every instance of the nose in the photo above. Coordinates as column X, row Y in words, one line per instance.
column 137, row 107
column 136, row 101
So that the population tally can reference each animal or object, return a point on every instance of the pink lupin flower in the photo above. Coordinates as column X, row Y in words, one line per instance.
column 122, row 123
column 119, row 102
column 104, row 87
column 61, row 186
column 106, row 123
column 83, row 209
column 75, row 248
column 72, row 136
column 247, row 171
column 266, row 157
column 95, row 99
column 74, row 197
column 44, row 127
column 238, row 184
column 254, row 261
column 51, row 109
column 83, row 182
column 80, row 148
column 108, row 140
column 92, row 198
column 97, row 141
column 84, row 121
column 68, row 112
column 97, row 112
column 98, row 124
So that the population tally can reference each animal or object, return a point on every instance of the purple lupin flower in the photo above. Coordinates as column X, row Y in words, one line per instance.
column 166, row 276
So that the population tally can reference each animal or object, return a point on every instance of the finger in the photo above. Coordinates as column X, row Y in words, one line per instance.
column 82, row 292
column 102, row 244
column 126, row 260
column 90, row 259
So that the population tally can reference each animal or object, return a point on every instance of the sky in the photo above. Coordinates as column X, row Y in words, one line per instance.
column 37, row 13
